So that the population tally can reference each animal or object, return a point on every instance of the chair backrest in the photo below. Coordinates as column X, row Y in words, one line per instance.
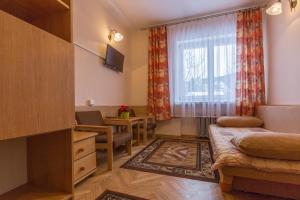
column 93, row 118
column 132, row 113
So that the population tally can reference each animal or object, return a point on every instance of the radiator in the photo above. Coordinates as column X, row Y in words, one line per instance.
column 204, row 123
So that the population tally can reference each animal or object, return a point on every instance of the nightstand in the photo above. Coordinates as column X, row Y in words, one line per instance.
column 84, row 155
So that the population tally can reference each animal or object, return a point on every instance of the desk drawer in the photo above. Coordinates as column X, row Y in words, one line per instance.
column 85, row 165
column 84, row 147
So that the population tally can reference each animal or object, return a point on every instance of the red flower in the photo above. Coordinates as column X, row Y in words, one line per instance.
column 123, row 108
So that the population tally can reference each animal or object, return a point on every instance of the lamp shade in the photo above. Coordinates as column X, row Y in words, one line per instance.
column 115, row 35
column 275, row 9
column 118, row 37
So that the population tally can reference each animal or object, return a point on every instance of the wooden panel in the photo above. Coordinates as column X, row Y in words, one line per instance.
column 28, row 192
column 13, row 168
column 267, row 187
column 56, row 86
column 85, row 165
column 140, row 110
column 112, row 111
column 36, row 80
column 50, row 161
column 84, row 148
column 261, row 175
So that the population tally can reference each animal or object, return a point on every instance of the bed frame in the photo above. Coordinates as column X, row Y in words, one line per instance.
column 251, row 180
column 283, row 119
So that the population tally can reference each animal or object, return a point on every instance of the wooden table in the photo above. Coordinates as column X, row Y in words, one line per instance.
column 116, row 121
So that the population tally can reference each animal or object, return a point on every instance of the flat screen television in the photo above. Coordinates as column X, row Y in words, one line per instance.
column 114, row 59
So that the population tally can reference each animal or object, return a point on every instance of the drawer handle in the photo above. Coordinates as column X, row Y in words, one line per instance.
column 81, row 169
column 80, row 150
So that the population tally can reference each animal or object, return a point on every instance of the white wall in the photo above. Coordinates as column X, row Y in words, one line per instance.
column 284, row 54
column 13, row 167
column 92, row 22
column 139, row 68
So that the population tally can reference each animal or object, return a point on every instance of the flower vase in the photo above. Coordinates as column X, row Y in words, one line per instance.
column 125, row 115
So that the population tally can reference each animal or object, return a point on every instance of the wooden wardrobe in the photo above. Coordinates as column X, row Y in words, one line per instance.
column 37, row 92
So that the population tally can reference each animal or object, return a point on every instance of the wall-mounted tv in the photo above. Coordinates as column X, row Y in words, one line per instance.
column 114, row 59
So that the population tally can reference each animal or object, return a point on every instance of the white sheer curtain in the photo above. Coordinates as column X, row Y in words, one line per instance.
column 202, row 56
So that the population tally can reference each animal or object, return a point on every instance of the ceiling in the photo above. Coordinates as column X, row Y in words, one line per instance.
column 141, row 13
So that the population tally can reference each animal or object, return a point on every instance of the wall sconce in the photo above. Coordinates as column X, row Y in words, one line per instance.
column 293, row 4
column 276, row 7
column 115, row 35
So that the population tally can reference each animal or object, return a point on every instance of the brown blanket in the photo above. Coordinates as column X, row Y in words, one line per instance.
column 226, row 154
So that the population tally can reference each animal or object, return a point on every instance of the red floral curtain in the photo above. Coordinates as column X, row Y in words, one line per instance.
column 158, row 75
column 250, row 90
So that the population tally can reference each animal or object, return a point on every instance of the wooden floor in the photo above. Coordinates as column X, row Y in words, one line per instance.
column 152, row 186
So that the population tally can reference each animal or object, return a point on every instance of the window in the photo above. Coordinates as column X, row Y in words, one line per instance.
column 207, row 72
column 202, row 67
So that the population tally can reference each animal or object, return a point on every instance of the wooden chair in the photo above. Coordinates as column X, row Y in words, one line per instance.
column 151, row 123
column 107, row 138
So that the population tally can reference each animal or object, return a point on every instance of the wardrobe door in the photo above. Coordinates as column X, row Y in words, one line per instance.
column 36, row 80
column 55, row 84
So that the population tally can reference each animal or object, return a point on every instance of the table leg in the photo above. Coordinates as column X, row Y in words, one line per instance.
column 138, row 133
column 110, row 154
column 129, row 147
column 145, row 133
column 129, row 129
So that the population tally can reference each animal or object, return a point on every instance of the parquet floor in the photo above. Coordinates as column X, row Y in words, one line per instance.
column 152, row 186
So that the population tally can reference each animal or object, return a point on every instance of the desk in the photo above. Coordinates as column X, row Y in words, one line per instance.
column 115, row 121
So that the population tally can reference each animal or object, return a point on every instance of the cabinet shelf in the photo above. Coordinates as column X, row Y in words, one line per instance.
column 53, row 16
column 29, row 192
column 30, row 10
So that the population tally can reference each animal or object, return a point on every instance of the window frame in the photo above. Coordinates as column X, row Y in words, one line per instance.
column 209, row 44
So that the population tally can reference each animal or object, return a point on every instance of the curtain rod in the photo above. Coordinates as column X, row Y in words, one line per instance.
column 185, row 20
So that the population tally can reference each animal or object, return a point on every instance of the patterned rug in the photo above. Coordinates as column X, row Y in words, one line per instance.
column 111, row 195
column 181, row 158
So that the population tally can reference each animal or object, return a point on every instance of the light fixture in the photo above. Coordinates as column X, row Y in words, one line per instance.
column 275, row 8
column 293, row 4
column 115, row 35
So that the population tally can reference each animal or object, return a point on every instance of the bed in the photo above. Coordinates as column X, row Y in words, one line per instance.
column 251, row 174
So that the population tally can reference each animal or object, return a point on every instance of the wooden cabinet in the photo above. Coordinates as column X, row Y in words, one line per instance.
column 49, row 166
column 37, row 93
column 84, row 155
column 36, row 80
